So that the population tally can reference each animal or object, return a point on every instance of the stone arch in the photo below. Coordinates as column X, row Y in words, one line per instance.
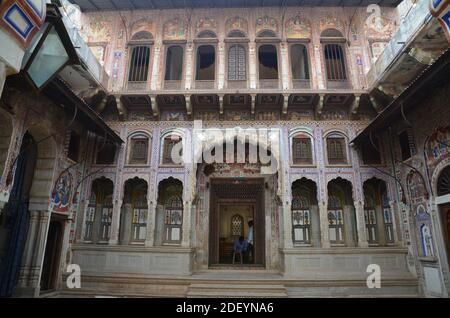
column 301, row 150
column 138, row 147
column 6, row 131
column 337, row 150
column 99, row 212
column 169, row 212
column 379, row 217
column 134, row 211
column 208, row 34
column 236, row 34
column 341, row 213
column 172, row 136
column 266, row 34
column 440, row 169
column 42, row 184
column 305, row 212
column 142, row 36
column 331, row 33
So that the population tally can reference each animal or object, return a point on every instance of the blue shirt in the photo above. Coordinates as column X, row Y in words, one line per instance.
column 240, row 246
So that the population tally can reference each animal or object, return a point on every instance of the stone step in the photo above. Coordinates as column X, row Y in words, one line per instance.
column 244, row 290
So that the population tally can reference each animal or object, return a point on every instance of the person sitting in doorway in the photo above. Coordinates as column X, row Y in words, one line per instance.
column 240, row 246
column 250, row 248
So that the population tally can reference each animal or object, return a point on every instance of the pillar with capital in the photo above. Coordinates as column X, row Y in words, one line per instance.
column 360, row 224
column 115, row 223
column 324, row 233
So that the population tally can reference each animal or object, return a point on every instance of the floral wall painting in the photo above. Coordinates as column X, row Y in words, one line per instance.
column 205, row 24
column 142, row 24
column 330, row 22
column 174, row 29
column 298, row 28
column 266, row 23
column 100, row 31
column 236, row 23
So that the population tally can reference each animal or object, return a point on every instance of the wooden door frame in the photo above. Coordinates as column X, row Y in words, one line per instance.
column 57, row 251
column 258, row 218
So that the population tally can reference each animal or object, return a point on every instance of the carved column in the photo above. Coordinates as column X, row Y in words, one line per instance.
column 252, row 64
column 186, row 227
column 324, row 232
column 318, row 67
column 360, row 224
column 284, row 66
column 155, row 83
column 151, row 213
column 188, row 65
column 115, row 224
column 287, row 228
column 221, row 68
column 83, row 220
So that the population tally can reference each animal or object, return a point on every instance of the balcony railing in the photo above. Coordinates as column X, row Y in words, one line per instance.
column 301, row 84
column 270, row 84
column 199, row 84
column 172, row 85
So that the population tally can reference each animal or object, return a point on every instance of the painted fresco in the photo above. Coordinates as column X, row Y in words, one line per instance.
column 438, row 146
column 298, row 28
column 174, row 29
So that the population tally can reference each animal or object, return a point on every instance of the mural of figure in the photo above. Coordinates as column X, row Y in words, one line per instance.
column 61, row 193
column 426, row 240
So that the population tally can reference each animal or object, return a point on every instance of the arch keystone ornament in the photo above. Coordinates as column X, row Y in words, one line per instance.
column 22, row 19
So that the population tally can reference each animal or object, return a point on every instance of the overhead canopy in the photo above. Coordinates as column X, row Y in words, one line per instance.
column 431, row 78
column 104, row 5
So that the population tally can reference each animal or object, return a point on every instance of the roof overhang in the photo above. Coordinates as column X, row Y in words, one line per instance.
column 114, row 5
column 432, row 77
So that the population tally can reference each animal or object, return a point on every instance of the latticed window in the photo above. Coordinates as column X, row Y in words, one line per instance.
column 106, row 219
column 237, row 63
column 173, row 219
column 139, row 220
column 301, row 150
column 139, row 150
column 139, row 63
column 335, row 220
column 335, row 62
column 370, row 218
column 169, row 143
column 301, row 220
column 237, row 225
column 90, row 217
column 336, row 150
column 388, row 219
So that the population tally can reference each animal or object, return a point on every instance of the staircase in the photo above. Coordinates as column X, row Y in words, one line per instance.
column 250, row 282
column 235, row 290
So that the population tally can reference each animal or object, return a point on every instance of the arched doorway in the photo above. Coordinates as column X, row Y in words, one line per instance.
column 99, row 212
column 14, row 221
column 133, row 216
column 305, row 213
column 169, row 212
column 341, row 213
column 377, row 213
column 239, row 187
